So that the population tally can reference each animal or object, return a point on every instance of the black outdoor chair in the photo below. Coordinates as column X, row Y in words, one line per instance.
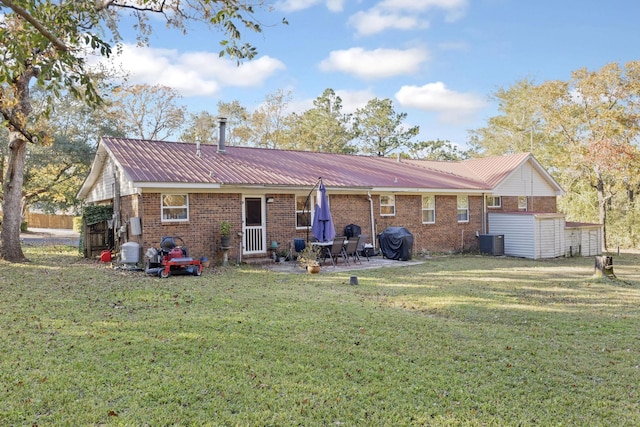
column 361, row 249
column 351, row 250
column 335, row 251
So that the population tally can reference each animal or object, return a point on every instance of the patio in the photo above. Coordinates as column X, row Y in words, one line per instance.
column 327, row 268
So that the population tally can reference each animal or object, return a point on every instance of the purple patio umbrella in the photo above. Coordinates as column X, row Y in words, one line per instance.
column 322, row 227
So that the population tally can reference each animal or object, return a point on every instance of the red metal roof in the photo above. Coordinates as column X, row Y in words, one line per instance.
column 171, row 162
column 494, row 170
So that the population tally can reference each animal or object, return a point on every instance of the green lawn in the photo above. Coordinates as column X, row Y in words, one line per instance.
column 460, row 340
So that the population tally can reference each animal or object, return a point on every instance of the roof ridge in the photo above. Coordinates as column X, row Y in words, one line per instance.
column 158, row 161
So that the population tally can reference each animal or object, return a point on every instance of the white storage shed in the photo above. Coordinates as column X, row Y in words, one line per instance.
column 583, row 239
column 529, row 234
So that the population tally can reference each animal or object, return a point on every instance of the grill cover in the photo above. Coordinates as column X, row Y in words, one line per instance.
column 396, row 243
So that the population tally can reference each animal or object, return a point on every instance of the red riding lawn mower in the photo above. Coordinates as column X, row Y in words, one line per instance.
column 171, row 258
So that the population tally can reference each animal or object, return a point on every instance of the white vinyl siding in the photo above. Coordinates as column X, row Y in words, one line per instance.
column 583, row 240
column 550, row 236
column 104, row 187
column 530, row 235
column 523, row 181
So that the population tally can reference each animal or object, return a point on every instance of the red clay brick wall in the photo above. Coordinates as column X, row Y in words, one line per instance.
column 545, row 204
column 447, row 234
column 345, row 210
column 540, row 204
column 200, row 233
column 281, row 220
column 202, row 238
column 351, row 209
column 443, row 236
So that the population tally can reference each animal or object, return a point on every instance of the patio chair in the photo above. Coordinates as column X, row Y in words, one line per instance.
column 295, row 248
column 361, row 241
column 335, row 251
column 351, row 249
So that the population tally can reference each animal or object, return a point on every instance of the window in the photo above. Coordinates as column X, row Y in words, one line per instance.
column 175, row 207
column 463, row 208
column 494, row 201
column 522, row 203
column 387, row 205
column 428, row 209
column 304, row 213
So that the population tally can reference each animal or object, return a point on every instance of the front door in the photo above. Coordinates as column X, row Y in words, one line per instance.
column 254, row 227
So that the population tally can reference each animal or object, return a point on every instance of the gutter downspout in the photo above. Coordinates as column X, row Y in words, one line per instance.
column 484, row 213
column 117, row 218
column 373, row 233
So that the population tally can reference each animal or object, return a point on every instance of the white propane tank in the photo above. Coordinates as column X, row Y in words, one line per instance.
column 130, row 253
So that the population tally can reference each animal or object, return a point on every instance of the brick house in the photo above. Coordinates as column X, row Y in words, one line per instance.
column 184, row 189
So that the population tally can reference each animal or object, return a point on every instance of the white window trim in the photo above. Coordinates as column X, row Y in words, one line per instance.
column 429, row 209
column 385, row 205
column 526, row 203
column 162, row 208
column 458, row 210
column 499, row 205
column 312, row 208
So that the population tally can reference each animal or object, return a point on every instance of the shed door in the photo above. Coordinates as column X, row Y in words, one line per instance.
column 254, row 227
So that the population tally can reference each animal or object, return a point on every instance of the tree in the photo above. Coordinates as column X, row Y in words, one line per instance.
column 513, row 130
column 322, row 128
column 437, row 150
column 146, row 111
column 585, row 131
column 200, row 127
column 237, row 129
column 267, row 123
column 47, row 42
column 54, row 173
column 380, row 129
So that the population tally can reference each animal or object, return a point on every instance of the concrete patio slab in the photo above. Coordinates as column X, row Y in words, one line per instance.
column 327, row 268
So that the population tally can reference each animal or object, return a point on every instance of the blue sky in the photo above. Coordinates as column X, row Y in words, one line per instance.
column 438, row 60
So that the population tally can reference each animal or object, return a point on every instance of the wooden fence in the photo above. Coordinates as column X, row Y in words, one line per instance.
column 36, row 220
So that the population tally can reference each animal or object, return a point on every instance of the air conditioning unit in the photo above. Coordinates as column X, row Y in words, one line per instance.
column 492, row 244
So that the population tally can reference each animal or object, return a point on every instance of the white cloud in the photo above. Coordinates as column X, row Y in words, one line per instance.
column 354, row 99
column 449, row 6
column 335, row 5
column 404, row 15
column 375, row 64
column 375, row 21
column 297, row 5
column 193, row 73
column 451, row 106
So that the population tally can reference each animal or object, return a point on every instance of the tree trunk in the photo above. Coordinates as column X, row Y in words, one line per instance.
column 17, row 116
column 10, row 248
column 602, row 207
column 604, row 266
